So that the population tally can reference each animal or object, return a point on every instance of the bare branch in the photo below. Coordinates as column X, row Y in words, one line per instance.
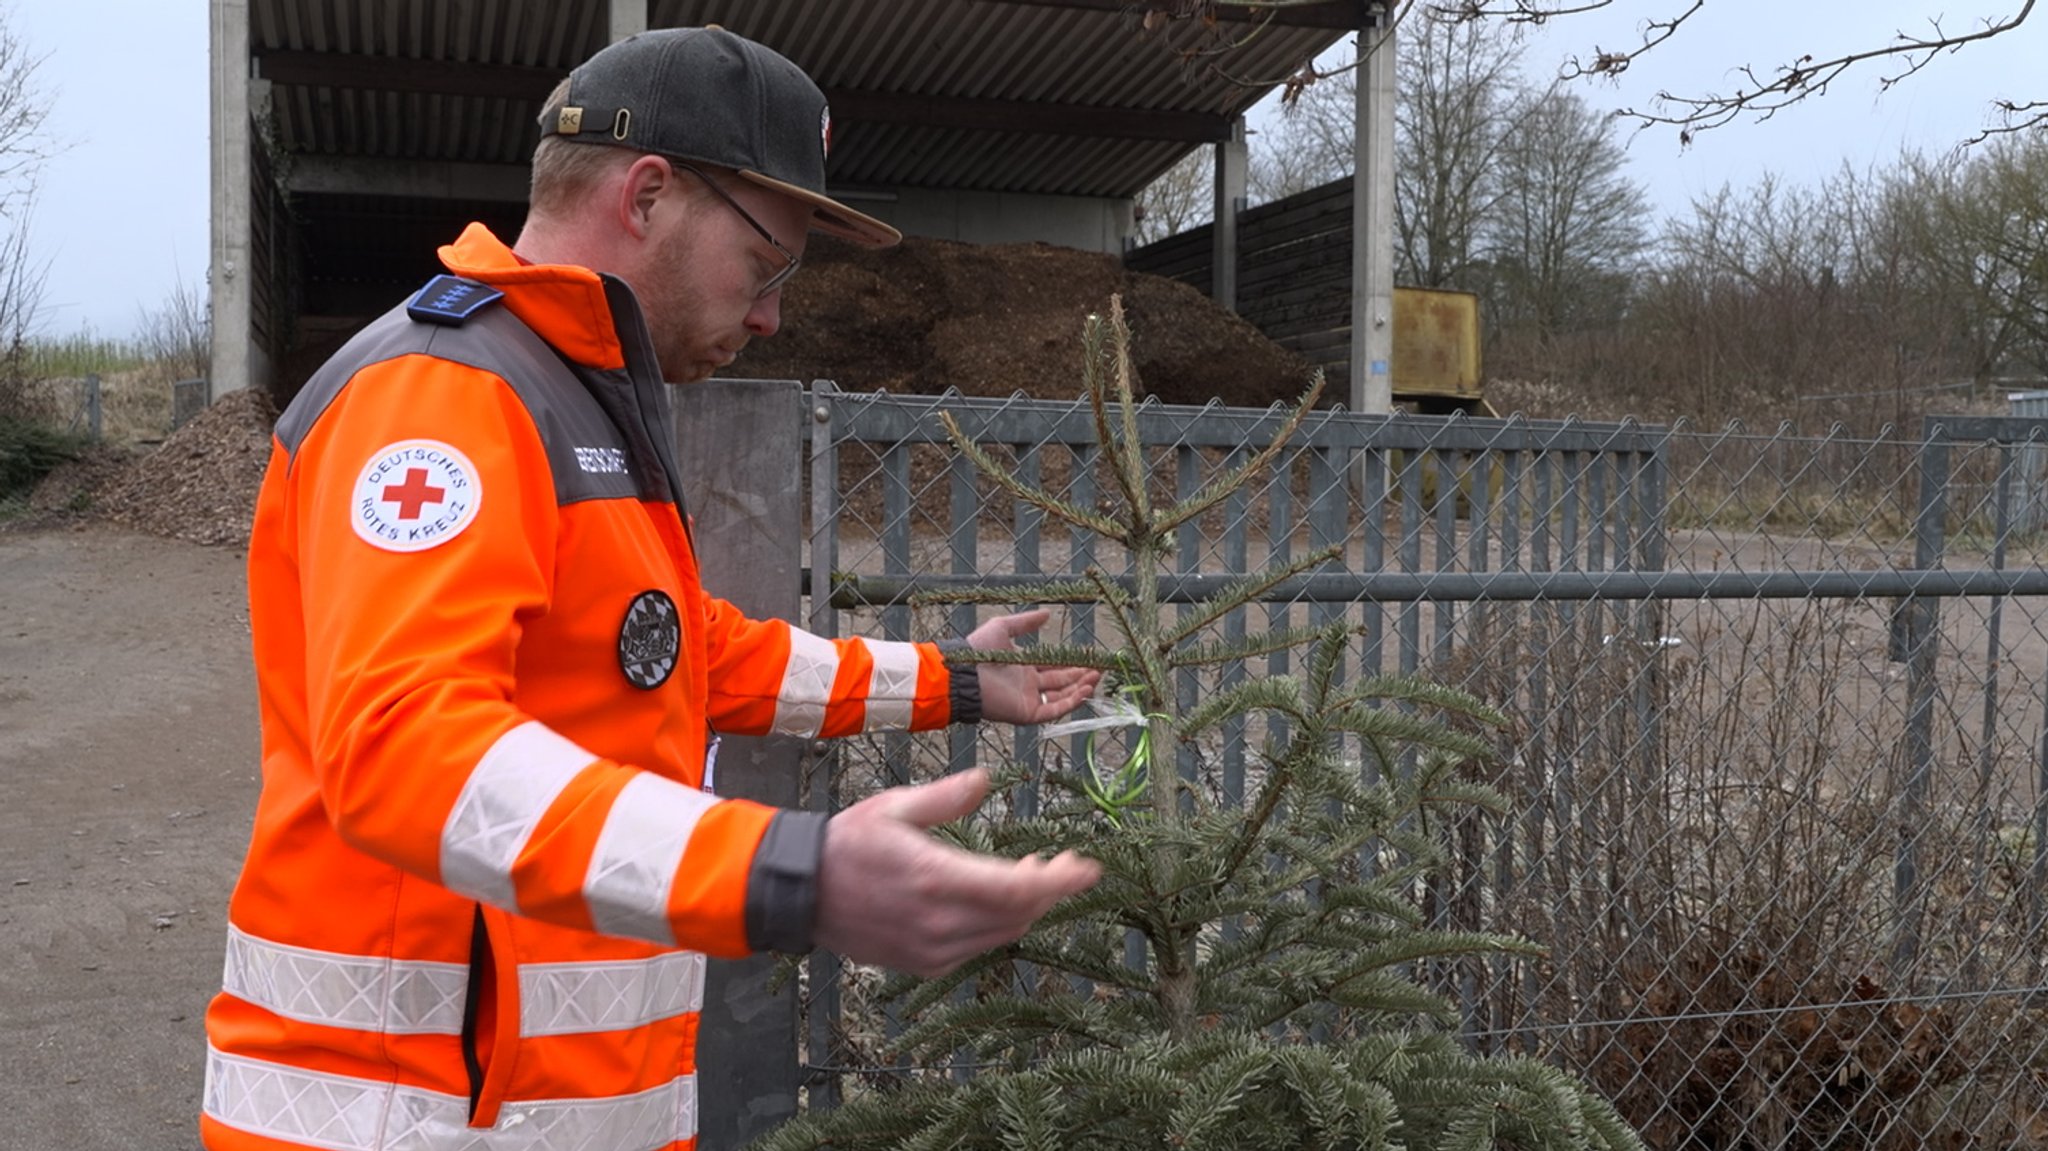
column 23, row 107
column 1766, row 92
column 2014, row 117
column 1515, row 11
column 1306, row 74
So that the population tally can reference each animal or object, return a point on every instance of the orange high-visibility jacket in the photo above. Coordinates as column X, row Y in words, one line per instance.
column 484, row 873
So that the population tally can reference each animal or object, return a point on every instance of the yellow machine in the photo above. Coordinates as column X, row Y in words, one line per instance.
column 1436, row 352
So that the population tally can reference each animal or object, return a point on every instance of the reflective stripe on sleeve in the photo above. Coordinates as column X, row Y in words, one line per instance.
column 367, row 993
column 341, row 1113
column 501, row 802
column 570, row 998
column 892, row 689
column 638, row 852
column 806, row 685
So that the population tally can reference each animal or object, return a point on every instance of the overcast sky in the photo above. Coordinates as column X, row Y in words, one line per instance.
column 123, row 214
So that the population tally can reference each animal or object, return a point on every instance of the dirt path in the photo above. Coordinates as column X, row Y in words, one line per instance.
column 128, row 765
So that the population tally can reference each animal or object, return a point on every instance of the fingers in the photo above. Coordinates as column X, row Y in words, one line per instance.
column 986, row 903
column 940, row 801
column 1025, row 623
column 1059, row 681
column 1062, row 689
column 1002, row 632
column 891, row 894
column 1013, row 891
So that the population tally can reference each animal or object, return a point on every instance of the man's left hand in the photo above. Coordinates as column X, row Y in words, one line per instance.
column 1021, row 693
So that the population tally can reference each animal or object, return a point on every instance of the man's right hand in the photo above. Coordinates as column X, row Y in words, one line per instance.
column 892, row 894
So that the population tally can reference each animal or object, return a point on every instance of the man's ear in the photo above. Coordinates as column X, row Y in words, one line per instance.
column 647, row 179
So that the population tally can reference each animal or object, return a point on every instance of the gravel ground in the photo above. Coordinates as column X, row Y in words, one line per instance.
column 128, row 759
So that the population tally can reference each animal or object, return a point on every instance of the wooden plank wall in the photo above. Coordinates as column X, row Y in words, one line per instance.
column 265, row 326
column 1293, row 275
column 274, row 264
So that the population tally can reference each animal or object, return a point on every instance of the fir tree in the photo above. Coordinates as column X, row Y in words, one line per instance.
column 1276, row 1005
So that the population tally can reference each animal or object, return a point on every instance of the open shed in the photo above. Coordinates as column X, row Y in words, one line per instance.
column 351, row 137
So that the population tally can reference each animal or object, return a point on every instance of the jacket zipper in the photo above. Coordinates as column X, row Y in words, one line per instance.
column 479, row 956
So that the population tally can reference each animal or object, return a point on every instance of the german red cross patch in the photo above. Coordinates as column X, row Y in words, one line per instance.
column 414, row 495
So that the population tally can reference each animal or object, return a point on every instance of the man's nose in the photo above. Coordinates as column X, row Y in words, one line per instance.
column 765, row 317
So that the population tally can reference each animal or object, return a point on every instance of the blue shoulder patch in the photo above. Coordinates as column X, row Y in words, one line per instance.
column 450, row 300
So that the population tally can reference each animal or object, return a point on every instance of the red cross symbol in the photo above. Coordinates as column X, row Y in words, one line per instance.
column 411, row 495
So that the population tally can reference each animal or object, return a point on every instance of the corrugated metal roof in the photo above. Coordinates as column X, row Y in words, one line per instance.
column 421, row 79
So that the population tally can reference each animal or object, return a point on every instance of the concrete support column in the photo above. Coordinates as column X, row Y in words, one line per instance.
column 627, row 17
column 750, row 514
column 230, row 276
column 1372, row 223
column 1233, row 163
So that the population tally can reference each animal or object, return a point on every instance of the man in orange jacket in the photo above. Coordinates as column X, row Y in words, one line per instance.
column 485, row 873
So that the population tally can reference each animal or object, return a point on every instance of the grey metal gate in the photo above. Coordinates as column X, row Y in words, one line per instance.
column 1777, row 760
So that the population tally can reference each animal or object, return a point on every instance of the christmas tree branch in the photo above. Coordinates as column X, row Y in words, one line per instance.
column 1045, row 501
column 1232, row 651
column 1218, row 489
column 1239, row 593
column 1051, row 591
column 1109, row 340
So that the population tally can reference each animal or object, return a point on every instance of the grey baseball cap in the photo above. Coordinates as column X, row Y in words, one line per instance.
column 706, row 95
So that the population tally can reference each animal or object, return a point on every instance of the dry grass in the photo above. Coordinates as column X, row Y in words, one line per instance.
column 135, row 404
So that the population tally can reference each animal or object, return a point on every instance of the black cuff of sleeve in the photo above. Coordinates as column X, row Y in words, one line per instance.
column 782, row 887
column 964, row 692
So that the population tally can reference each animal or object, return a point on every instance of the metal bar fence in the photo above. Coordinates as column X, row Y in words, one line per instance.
column 1779, row 820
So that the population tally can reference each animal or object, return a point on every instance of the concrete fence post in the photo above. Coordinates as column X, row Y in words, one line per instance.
column 740, row 447
column 188, row 399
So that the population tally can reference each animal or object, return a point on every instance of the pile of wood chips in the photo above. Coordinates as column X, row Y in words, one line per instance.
column 199, row 485
column 989, row 320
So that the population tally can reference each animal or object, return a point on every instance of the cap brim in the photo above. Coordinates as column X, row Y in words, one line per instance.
column 832, row 217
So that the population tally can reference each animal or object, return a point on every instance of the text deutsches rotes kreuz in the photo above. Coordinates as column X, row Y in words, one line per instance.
column 414, row 495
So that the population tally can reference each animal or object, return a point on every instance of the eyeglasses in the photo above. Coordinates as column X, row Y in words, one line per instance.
column 783, row 274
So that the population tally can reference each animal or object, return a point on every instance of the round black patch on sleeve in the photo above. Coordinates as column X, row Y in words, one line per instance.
column 650, row 640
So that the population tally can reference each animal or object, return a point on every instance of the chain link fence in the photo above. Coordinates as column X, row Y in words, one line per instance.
column 1776, row 761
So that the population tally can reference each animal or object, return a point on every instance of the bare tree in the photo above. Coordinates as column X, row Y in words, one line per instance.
column 21, row 302
column 1462, row 91
column 1759, row 297
column 1462, row 97
column 1183, row 197
column 1978, row 237
column 23, row 107
column 1568, row 228
column 1310, row 144
column 1500, row 187
column 23, row 150
column 178, row 333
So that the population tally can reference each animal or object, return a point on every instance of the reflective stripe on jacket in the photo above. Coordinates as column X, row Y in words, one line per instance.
column 484, row 874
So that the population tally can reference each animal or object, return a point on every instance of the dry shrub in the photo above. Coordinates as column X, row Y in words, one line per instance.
column 1708, row 838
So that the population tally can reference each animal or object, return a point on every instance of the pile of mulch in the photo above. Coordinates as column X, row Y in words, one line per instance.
column 996, row 319
column 989, row 320
column 199, row 484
